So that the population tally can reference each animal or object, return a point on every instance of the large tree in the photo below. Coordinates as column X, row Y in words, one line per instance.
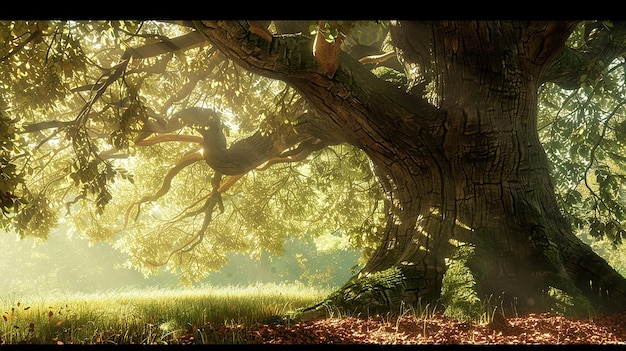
column 422, row 142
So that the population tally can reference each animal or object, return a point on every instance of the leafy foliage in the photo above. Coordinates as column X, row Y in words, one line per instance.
column 84, row 94
column 584, row 132
column 83, row 103
column 8, row 170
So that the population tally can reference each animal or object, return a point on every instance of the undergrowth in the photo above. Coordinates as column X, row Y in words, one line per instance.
column 210, row 315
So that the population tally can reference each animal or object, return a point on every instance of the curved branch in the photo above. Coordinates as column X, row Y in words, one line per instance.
column 196, row 239
column 286, row 54
column 191, row 117
column 243, row 155
column 168, row 137
column 228, row 183
column 377, row 58
column 249, row 153
column 214, row 198
column 167, row 182
column 289, row 58
column 298, row 154
column 38, row 126
column 184, row 42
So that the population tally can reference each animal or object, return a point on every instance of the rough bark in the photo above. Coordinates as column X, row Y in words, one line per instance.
column 465, row 174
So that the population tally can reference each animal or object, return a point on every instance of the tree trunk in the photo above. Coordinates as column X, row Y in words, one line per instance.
column 471, row 210
column 474, row 218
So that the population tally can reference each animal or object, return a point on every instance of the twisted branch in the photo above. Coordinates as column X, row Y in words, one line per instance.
column 165, row 187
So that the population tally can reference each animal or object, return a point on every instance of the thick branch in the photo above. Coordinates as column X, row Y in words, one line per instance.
column 257, row 150
column 246, row 154
column 377, row 58
column 603, row 45
column 326, row 54
column 352, row 96
column 190, row 117
column 166, row 45
column 234, row 39
column 242, row 156
column 34, row 127
column 168, row 137
column 214, row 198
column 298, row 154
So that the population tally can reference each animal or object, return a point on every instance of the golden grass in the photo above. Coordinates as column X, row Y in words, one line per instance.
column 150, row 316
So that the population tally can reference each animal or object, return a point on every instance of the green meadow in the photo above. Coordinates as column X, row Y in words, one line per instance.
column 147, row 316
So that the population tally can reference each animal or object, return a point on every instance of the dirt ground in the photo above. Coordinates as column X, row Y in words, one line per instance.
column 530, row 329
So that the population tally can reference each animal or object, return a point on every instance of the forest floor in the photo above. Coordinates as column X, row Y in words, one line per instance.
column 534, row 329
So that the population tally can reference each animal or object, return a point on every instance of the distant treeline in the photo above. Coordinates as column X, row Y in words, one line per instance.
column 74, row 264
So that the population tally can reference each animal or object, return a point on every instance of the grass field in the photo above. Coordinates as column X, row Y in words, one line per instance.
column 155, row 316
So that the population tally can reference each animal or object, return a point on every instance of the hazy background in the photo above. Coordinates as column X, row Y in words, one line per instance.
column 70, row 263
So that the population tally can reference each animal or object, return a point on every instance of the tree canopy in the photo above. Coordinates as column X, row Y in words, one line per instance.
column 150, row 135
column 80, row 102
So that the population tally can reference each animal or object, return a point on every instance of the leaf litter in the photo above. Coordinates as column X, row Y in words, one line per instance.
column 537, row 329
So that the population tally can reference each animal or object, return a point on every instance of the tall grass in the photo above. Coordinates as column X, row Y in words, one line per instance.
column 146, row 316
